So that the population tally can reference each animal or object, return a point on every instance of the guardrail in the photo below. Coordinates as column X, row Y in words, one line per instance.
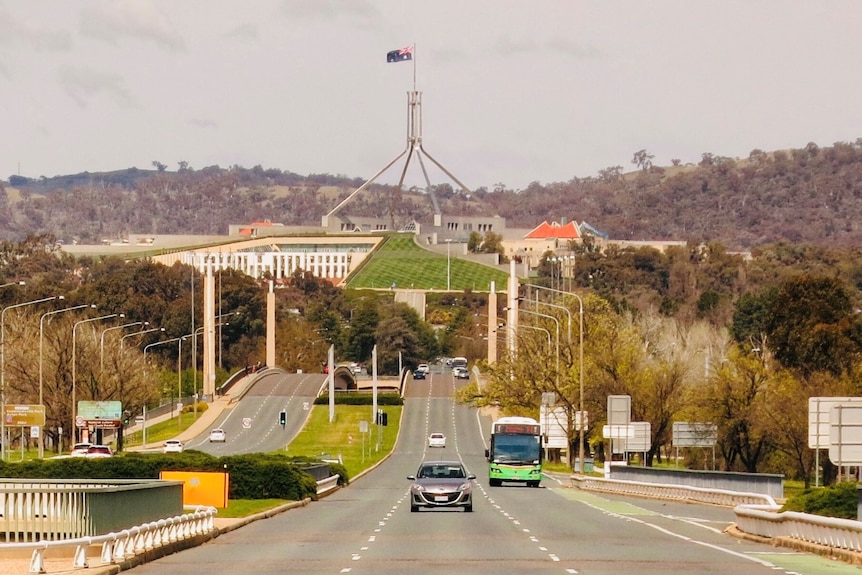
column 677, row 492
column 831, row 532
column 122, row 545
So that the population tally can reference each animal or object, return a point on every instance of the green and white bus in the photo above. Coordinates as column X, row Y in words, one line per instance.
column 516, row 451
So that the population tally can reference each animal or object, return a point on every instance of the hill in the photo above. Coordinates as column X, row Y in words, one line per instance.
column 810, row 195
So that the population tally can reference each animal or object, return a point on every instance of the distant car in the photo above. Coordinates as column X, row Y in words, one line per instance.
column 441, row 484
column 461, row 373
column 98, row 451
column 418, row 374
column 424, row 368
column 173, row 446
column 218, row 435
column 436, row 440
column 356, row 368
column 80, row 449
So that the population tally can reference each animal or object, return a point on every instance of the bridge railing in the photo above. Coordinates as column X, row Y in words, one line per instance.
column 121, row 545
column 47, row 509
column 829, row 532
column 677, row 492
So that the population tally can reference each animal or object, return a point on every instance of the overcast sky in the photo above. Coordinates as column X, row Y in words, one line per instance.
column 513, row 91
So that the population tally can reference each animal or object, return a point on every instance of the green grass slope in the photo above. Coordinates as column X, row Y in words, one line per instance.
column 400, row 261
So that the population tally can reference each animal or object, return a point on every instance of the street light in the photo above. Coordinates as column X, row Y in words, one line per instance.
column 41, row 349
column 41, row 337
column 583, row 421
column 102, row 341
column 179, row 354
column 74, row 372
column 557, row 322
column 18, row 283
column 3, row 367
column 142, row 332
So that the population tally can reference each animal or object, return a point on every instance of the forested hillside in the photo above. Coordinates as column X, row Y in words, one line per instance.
column 810, row 195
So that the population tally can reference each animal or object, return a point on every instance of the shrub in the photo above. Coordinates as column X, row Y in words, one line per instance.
column 835, row 501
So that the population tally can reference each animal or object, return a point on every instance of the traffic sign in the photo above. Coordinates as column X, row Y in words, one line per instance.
column 24, row 415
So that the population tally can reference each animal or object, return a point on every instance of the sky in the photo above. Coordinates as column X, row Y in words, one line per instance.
column 512, row 92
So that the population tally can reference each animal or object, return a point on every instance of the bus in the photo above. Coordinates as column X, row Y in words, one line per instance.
column 516, row 451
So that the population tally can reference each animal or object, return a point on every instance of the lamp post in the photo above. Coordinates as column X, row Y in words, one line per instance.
column 557, row 325
column 583, row 421
column 74, row 410
column 142, row 332
column 179, row 355
column 102, row 341
column 199, row 331
column 41, row 338
column 41, row 349
column 18, row 283
column 3, row 368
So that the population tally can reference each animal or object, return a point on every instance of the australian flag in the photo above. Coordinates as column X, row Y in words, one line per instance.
column 400, row 55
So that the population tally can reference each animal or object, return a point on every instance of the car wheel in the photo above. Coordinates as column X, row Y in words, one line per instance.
column 468, row 508
column 494, row 482
column 414, row 508
column 534, row 483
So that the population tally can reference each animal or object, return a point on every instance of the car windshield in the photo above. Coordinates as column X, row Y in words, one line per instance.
column 442, row 472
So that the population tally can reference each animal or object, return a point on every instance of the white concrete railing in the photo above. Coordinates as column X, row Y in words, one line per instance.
column 126, row 543
column 324, row 486
column 678, row 492
column 827, row 531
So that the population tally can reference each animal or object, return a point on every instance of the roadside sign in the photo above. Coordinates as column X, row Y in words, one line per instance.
column 99, row 414
column 24, row 415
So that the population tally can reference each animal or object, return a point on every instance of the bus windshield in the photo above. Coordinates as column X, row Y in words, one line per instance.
column 523, row 449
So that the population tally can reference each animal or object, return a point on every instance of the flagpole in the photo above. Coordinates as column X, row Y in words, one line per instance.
column 414, row 66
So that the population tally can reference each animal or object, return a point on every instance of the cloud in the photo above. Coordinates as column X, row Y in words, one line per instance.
column 83, row 84
column 15, row 33
column 359, row 10
column 139, row 19
column 246, row 31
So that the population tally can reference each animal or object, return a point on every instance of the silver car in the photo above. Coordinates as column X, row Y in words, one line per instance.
column 441, row 484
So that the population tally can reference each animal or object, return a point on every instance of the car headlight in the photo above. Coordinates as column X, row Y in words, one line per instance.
column 418, row 488
column 465, row 487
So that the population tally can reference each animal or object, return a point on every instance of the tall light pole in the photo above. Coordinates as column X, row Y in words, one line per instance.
column 179, row 355
column 583, row 422
column 18, row 283
column 102, row 341
column 142, row 332
column 74, row 372
column 41, row 348
column 42, row 334
column 3, row 368
column 557, row 326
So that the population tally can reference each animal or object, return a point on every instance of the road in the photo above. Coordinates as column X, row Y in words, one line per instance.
column 253, row 426
column 367, row 528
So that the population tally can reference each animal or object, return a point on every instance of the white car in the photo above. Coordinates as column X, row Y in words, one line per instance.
column 98, row 451
column 424, row 368
column 436, row 440
column 80, row 449
column 218, row 435
column 173, row 446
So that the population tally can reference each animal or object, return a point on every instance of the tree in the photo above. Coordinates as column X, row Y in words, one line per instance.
column 812, row 327
column 643, row 159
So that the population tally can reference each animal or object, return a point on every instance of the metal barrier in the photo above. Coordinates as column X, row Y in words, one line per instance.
column 677, row 492
column 830, row 532
column 67, row 509
column 119, row 546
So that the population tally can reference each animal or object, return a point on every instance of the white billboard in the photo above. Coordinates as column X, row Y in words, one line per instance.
column 694, row 434
column 845, row 434
column 818, row 418
column 554, row 423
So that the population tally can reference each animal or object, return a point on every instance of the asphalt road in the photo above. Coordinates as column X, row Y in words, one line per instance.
column 252, row 425
column 367, row 528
